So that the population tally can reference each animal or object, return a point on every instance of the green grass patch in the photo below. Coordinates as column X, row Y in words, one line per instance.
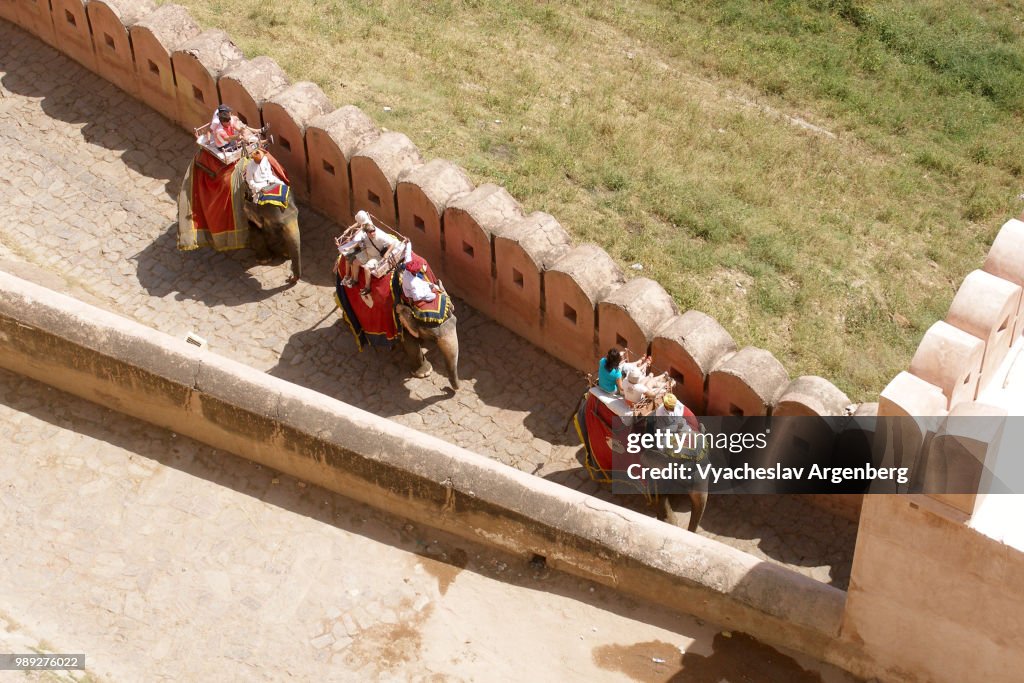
column 665, row 131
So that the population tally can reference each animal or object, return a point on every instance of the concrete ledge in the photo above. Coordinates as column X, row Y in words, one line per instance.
column 140, row 372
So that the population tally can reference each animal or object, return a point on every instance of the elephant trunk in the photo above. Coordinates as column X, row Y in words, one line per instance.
column 293, row 244
column 698, row 501
column 448, row 343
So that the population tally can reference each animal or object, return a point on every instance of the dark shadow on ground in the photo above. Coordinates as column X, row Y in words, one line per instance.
column 151, row 144
column 776, row 524
column 162, row 270
column 378, row 379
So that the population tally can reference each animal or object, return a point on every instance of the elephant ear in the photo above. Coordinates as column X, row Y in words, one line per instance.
column 406, row 319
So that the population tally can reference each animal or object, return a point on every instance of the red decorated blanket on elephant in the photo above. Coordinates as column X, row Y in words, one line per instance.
column 603, row 424
column 376, row 325
column 432, row 312
column 210, row 204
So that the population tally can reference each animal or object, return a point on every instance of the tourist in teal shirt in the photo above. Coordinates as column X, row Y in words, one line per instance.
column 609, row 376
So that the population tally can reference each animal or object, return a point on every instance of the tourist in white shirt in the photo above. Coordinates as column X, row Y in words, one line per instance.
column 414, row 287
column 633, row 387
column 374, row 245
column 258, row 173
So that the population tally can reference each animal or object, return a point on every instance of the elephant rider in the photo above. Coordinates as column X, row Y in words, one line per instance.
column 258, row 173
column 414, row 283
column 609, row 374
column 226, row 130
column 374, row 245
column 670, row 407
column 635, row 384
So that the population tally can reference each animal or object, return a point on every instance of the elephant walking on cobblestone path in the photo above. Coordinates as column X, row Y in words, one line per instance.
column 213, row 212
column 444, row 334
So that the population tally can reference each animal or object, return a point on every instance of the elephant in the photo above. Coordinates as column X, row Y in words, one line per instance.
column 445, row 335
column 606, row 434
column 213, row 211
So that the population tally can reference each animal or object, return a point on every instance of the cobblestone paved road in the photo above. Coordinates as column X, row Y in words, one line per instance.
column 162, row 559
column 89, row 186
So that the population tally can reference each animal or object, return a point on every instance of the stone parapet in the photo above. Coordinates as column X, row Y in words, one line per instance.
column 376, row 170
column 950, row 359
column 573, row 286
column 71, row 28
column 110, row 21
column 34, row 16
column 288, row 112
column 812, row 396
column 687, row 347
column 986, row 306
column 523, row 248
column 1005, row 259
column 246, row 86
column 746, row 383
column 422, row 195
column 628, row 316
column 470, row 222
column 332, row 139
column 198, row 63
column 154, row 38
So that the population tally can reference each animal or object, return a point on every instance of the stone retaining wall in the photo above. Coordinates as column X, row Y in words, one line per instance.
column 573, row 304
column 137, row 371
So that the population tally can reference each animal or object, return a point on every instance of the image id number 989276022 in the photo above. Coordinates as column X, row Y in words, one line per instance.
column 35, row 661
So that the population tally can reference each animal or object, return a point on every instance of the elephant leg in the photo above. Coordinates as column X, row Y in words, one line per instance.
column 417, row 356
column 448, row 344
column 698, row 501
column 258, row 242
